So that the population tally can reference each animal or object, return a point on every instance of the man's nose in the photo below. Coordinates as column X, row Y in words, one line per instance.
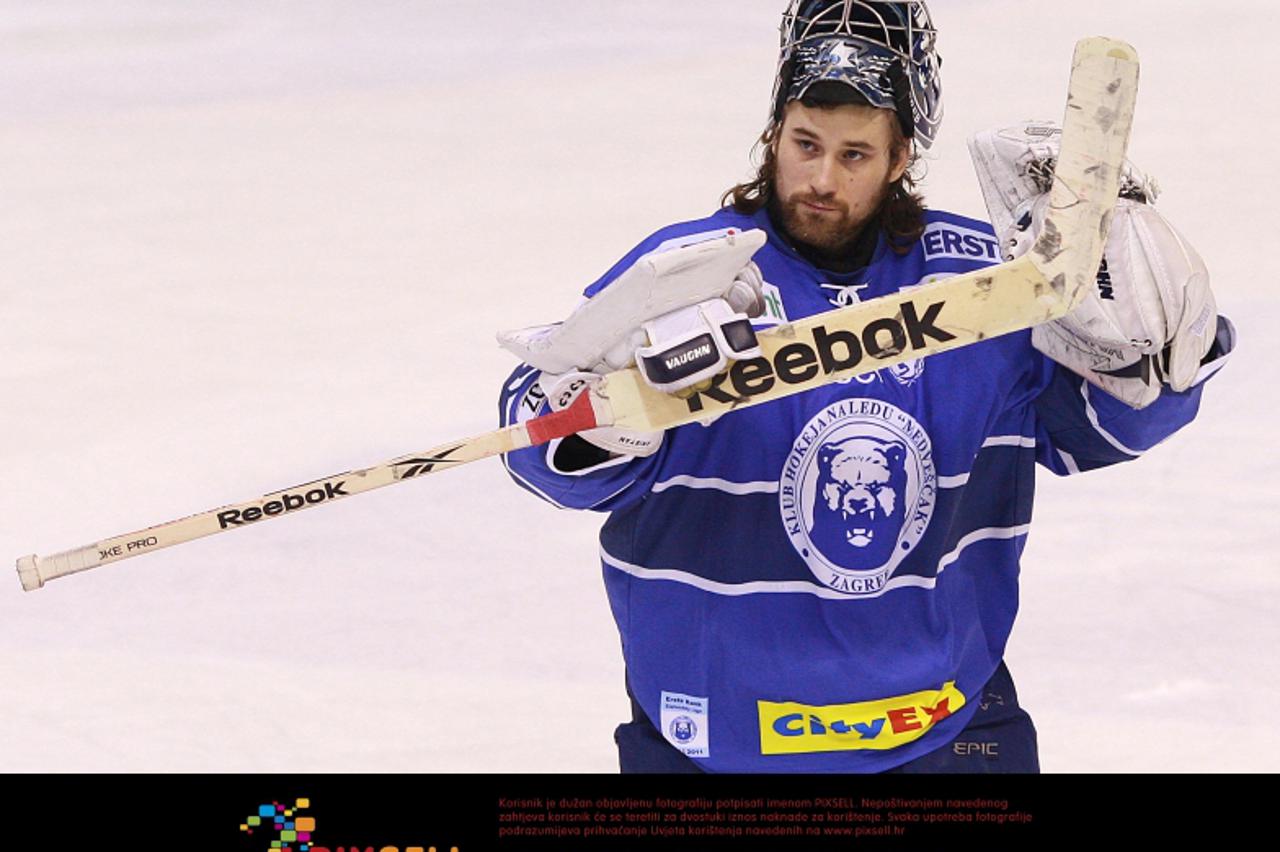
column 823, row 178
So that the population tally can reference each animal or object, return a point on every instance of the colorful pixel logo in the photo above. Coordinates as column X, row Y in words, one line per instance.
column 291, row 833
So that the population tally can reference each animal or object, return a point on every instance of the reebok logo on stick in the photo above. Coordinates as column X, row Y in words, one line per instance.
column 830, row 351
column 286, row 503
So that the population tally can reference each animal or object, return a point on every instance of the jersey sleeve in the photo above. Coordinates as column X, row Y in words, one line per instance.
column 1080, row 427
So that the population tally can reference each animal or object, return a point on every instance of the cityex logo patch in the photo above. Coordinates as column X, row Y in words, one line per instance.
column 787, row 727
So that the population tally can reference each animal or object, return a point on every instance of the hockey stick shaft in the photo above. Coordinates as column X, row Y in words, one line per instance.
column 1041, row 286
column 34, row 571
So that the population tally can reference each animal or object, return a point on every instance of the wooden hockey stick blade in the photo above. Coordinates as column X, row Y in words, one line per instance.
column 1040, row 286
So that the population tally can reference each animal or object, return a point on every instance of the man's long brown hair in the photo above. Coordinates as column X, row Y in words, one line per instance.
column 901, row 215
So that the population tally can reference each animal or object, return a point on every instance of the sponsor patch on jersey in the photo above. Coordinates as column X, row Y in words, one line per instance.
column 944, row 239
column 774, row 312
column 857, row 492
column 683, row 720
column 787, row 727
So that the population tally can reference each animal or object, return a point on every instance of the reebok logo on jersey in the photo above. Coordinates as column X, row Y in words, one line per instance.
column 790, row 728
column 829, row 352
column 286, row 503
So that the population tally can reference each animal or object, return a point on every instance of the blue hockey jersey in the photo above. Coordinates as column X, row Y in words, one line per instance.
column 823, row 583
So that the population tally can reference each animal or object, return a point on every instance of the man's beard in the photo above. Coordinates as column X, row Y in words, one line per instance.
column 827, row 235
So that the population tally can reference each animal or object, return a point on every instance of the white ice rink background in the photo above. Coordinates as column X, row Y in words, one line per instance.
column 245, row 245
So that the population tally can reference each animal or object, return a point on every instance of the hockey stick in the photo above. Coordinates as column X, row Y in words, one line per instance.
column 1042, row 285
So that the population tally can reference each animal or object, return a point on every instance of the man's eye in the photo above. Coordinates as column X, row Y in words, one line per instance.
column 854, row 155
column 805, row 144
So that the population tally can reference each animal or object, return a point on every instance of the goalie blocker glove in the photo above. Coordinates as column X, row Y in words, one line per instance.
column 604, row 332
column 680, row 313
column 688, row 347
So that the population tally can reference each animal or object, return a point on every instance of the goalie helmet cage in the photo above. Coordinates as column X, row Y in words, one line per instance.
column 887, row 52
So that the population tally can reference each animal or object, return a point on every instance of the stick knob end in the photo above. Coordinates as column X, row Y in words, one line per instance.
column 29, row 574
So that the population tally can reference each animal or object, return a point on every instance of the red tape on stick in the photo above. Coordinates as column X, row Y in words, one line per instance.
column 577, row 417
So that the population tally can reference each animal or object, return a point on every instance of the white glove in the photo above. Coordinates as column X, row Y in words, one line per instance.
column 688, row 347
column 1151, row 318
column 604, row 332
column 683, row 309
column 562, row 389
column 1015, row 166
column 685, row 349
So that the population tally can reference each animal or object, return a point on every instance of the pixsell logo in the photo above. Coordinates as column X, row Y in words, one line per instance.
column 280, row 827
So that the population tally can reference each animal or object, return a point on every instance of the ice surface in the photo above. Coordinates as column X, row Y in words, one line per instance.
column 247, row 245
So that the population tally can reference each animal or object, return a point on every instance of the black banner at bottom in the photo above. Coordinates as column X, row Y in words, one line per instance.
column 469, row 813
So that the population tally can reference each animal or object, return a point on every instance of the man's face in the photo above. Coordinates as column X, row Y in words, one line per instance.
column 834, row 167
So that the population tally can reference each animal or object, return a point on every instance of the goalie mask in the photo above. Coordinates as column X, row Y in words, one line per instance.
column 884, row 53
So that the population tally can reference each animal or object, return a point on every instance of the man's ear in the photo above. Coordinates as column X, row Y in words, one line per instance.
column 900, row 162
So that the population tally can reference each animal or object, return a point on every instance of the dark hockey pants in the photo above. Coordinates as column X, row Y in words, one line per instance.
column 999, row 738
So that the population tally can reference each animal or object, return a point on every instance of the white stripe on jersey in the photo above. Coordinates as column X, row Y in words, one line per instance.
column 1097, row 427
column 785, row 587
column 764, row 487
column 1010, row 441
column 716, row 484
column 985, row 534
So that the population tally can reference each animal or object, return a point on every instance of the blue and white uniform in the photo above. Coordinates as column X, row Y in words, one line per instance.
column 823, row 583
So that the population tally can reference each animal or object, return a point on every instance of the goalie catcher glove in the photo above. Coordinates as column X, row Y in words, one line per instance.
column 1015, row 167
column 1151, row 318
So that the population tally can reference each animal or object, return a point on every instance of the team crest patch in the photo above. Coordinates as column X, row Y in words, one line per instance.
column 857, row 492
column 683, row 721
